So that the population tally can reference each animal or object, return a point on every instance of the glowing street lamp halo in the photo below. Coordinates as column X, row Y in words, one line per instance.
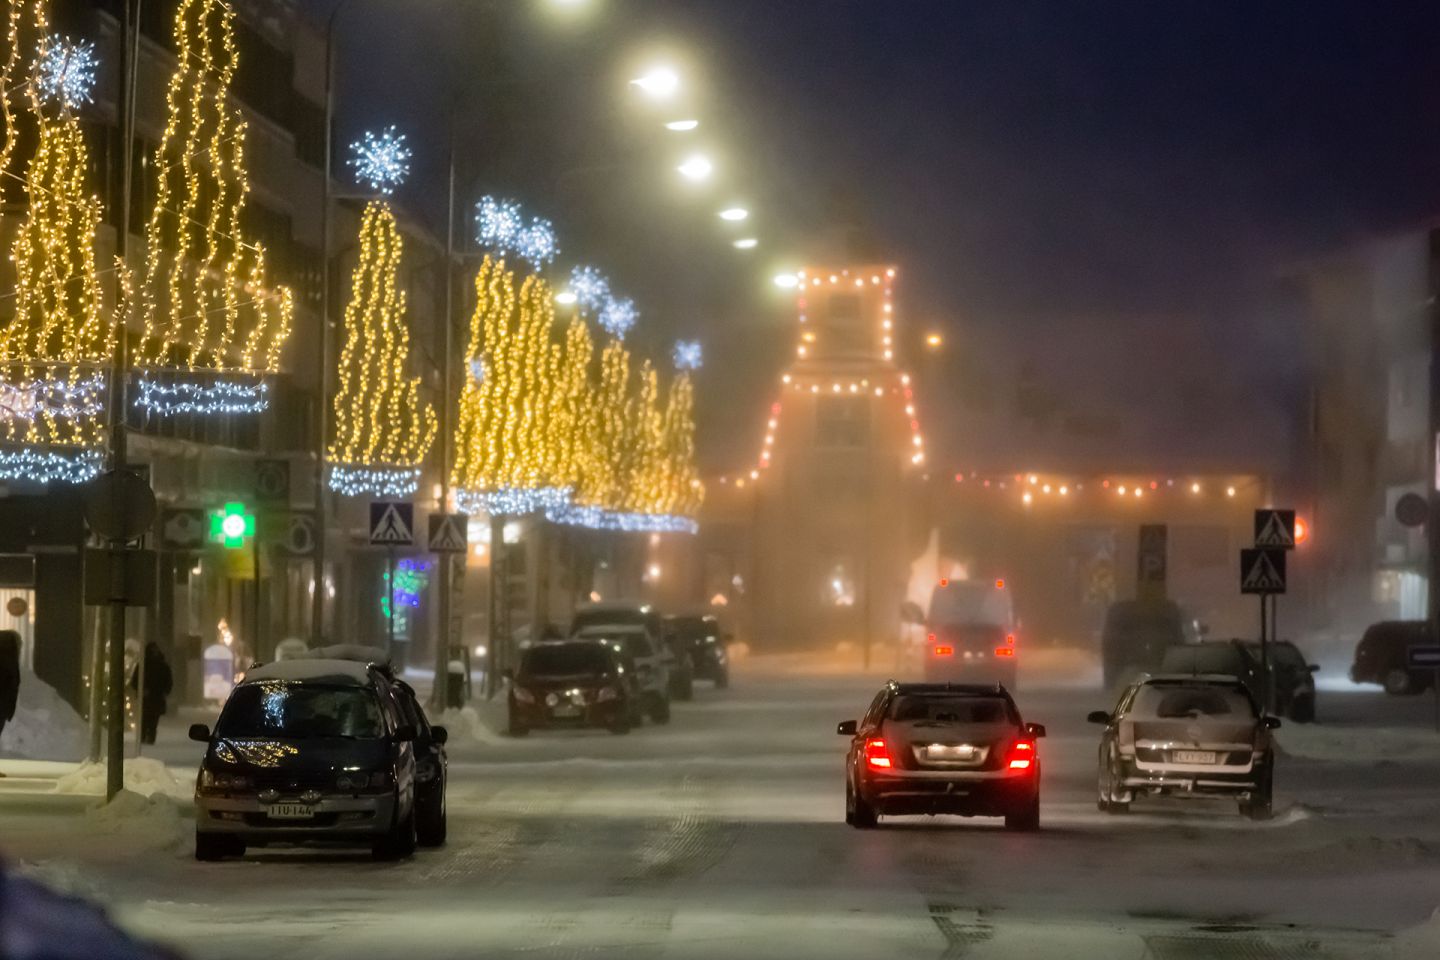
column 734, row 214
column 566, row 298
column 745, row 243
column 786, row 281
column 682, row 126
column 660, row 82
column 697, row 167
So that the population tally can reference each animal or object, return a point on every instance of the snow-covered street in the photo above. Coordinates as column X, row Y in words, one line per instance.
column 721, row 836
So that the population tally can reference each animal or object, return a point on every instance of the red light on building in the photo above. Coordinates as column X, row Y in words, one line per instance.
column 999, row 584
column 944, row 582
column 1010, row 639
column 1302, row 530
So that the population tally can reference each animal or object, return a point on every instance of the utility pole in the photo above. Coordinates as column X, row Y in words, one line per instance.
column 442, row 641
column 125, row 121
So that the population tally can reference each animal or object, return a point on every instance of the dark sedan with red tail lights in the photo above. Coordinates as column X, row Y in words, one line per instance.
column 942, row 748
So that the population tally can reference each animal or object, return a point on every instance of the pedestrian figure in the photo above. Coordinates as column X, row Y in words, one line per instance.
column 9, row 675
column 158, row 684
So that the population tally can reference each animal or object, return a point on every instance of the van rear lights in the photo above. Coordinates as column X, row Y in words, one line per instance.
column 1022, row 755
column 1004, row 651
column 876, row 755
column 944, row 651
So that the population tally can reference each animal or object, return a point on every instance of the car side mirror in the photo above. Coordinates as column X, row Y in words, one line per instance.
column 1272, row 723
column 1036, row 730
column 405, row 733
column 199, row 733
column 846, row 728
column 440, row 735
column 1098, row 716
column 1313, row 668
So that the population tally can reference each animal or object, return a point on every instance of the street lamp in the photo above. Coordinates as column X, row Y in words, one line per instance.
column 682, row 126
column 734, row 214
column 934, row 341
column 745, row 243
column 696, row 168
column 660, row 83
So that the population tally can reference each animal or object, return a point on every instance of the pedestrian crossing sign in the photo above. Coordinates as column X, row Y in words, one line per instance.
column 447, row 532
column 1262, row 571
column 392, row 523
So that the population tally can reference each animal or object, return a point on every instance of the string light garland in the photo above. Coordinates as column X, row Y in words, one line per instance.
column 688, row 355
column 55, row 347
column 178, row 397
column 500, row 227
column 381, row 160
column 26, row 29
column 65, row 72
column 382, row 430
column 209, row 315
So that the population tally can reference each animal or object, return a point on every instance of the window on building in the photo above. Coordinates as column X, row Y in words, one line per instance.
column 845, row 328
column 842, row 422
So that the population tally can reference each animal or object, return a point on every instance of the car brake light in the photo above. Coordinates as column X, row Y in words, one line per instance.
column 876, row 755
column 1022, row 755
column 1004, row 651
column 944, row 651
column 1010, row 639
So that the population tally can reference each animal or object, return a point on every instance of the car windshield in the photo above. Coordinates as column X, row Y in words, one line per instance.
column 1177, row 701
column 942, row 708
column 565, row 659
column 296, row 711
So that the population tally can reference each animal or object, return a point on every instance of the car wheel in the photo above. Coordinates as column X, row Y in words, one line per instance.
column 861, row 815
column 1397, row 682
column 622, row 722
column 722, row 680
column 1261, row 802
column 430, row 827
column 399, row 841
column 1025, row 818
column 660, row 710
column 1109, row 778
column 1302, row 710
column 212, row 847
column 515, row 728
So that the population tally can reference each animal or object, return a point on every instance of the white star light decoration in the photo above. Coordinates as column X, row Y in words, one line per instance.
column 617, row 317
column 66, row 71
column 688, row 355
column 590, row 287
column 381, row 161
column 500, row 225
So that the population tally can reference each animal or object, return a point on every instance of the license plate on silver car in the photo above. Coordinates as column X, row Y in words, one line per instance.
column 946, row 751
column 291, row 811
column 1194, row 756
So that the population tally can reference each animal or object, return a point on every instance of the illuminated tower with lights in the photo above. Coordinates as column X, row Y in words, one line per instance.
column 833, row 495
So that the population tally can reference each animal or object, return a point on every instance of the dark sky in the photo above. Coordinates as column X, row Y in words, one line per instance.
column 1095, row 202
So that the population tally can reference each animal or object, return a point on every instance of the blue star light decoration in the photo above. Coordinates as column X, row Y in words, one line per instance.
column 381, row 161
column 500, row 226
column 65, row 72
column 689, row 355
column 590, row 287
column 618, row 316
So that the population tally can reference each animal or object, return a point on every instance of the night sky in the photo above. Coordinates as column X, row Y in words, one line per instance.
column 1096, row 203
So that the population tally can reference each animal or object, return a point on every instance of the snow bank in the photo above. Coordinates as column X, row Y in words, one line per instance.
column 1358, row 744
column 44, row 727
column 144, row 776
column 1421, row 942
column 153, row 821
column 469, row 723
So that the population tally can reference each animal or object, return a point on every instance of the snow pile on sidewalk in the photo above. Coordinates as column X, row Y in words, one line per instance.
column 1420, row 942
column 1358, row 744
column 467, row 721
column 44, row 727
column 154, row 821
column 144, row 777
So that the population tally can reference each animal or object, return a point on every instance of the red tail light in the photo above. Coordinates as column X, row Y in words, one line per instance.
column 944, row 651
column 1010, row 639
column 1004, row 651
column 876, row 755
column 1022, row 755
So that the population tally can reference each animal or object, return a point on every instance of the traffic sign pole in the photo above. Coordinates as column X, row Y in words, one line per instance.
column 390, row 600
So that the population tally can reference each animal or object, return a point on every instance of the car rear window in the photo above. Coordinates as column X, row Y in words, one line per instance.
column 1203, row 659
column 291, row 710
column 1181, row 701
column 565, row 659
column 941, row 708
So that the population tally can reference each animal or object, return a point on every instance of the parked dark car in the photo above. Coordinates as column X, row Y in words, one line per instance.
column 573, row 683
column 1294, row 682
column 1136, row 635
column 308, row 751
column 626, row 613
column 928, row 748
column 1380, row 657
column 1294, row 679
column 699, row 639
